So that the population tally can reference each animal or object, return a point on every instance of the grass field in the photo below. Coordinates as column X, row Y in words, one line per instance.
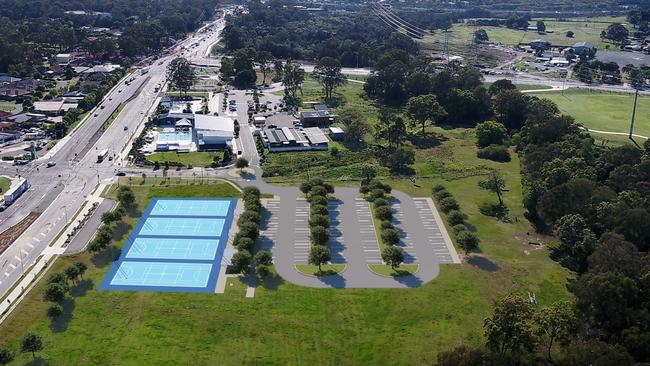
column 603, row 111
column 388, row 271
column 195, row 158
column 4, row 184
column 584, row 31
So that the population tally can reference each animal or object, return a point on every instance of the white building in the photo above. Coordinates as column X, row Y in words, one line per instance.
column 63, row 58
column 213, row 132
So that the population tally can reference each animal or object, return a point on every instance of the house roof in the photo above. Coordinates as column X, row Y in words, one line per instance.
column 315, row 135
column 584, row 44
column 336, row 130
column 184, row 123
column 213, row 123
column 48, row 105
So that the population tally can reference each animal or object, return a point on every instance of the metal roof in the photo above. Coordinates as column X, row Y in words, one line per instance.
column 315, row 135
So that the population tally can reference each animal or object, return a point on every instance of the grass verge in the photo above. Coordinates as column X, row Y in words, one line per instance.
column 326, row 269
column 388, row 271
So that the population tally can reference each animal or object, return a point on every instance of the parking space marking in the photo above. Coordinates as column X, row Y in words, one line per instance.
column 301, row 241
column 367, row 235
column 269, row 226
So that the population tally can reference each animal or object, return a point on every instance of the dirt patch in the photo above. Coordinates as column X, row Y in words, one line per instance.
column 8, row 236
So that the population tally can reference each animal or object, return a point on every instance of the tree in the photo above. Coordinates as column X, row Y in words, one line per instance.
column 617, row 33
column 181, row 74
column 54, row 292
column 424, row 108
column 467, row 241
column 541, row 27
column 368, row 172
column 595, row 353
column 278, row 69
column 262, row 270
column 263, row 60
column 393, row 256
column 81, row 268
column 6, row 356
column 510, row 108
column 384, row 213
column 319, row 235
column 494, row 183
column 125, row 196
column 71, row 273
column 241, row 163
column 390, row 128
column 556, row 323
column 500, row 85
column 32, row 343
column 481, row 36
column 54, row 311
column 241, row 262
column 510, row 329
column 292, row 79
column 490, row 133
column 263, row 257
column 390, row 236
column 399, row 161
column 319, row 255
column 328, row 73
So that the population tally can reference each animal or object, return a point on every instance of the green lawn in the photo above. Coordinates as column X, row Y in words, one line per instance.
column 325, row 269
column 386, row 270
column 584, row 31
column 4, row 184
column 196, row 158
column 603, row 111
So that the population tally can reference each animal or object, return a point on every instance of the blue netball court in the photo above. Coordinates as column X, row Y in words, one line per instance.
column 176, row 246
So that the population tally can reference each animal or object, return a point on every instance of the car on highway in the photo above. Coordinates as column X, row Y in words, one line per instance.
column 96, row 114
column 3, row 207
column 126, row 128
column 120, row 174
column 51, row 164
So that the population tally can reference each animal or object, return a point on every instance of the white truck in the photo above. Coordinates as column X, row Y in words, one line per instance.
column 102, row 155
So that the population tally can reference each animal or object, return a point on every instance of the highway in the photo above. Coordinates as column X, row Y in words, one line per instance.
column 59, row 192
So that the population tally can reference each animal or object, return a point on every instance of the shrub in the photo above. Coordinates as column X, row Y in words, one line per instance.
column 241, row 262
column 364, row 189
column 438, row 188
column 386, row 225
column 262, row 270
column 384, row 213
column 247, row 217
column 375, row 184
column 439, row 196
column 263, row 257
column 54, row 292
column 319, row 220
column 318, row 210
column 380, row 202
column 252, row 205
column 244, row 243
column 318, row 191
column 54, row 311
column 468, row 241
column 455, row 217
column 458, row 228
column 498, row 153
column 318, row 200
column 249, row 230
column 376, row 194
column 251, row 192
column 390, row 236
column 448, row 204
column 490, row 133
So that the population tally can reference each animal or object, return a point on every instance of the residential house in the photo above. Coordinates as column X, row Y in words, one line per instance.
column 581, row 47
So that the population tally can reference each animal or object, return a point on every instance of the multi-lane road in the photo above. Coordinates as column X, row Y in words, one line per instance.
column 59, row 191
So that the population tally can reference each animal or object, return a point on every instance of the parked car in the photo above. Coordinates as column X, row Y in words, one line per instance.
column 51, row 164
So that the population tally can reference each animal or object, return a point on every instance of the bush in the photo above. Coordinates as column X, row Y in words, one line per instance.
column 390, row 236
column 54, row 292
column 490, row 133
column 448, row 204
column 376, row 193
column 498, row 153
column 441, row 195
column 319, row 220
column 384, row 213
column 458, row 228
column 318, row 200
column 251, row 192
column 241, row 262
column 252, row 205
column 318, row 191
column 249, row 230
column 468, row 241
column 386, row 225
column 380, row 202
column 244, row 243
column 375, row 184
column 54, row 311
column 318, row 210
column 249, row 217
column 263, row 257
column 438, row 188
column 364, row 189
column 455, row 217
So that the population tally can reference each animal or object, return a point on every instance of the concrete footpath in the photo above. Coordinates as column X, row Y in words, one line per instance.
column 29, row 279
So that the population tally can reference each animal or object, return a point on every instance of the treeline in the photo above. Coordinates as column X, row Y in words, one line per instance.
column 31, row 30
column 288, row 33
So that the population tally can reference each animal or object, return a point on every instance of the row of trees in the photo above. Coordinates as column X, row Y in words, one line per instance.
column 249, row 231
column 59, row 285
column 30, row 343
column 465, row 239
column 317, row 192
column 104, row 235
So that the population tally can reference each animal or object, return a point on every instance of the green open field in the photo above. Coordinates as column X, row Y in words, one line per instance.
column 603, row 111
column 195, row 158
column 584, row 31
column 4, row 184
